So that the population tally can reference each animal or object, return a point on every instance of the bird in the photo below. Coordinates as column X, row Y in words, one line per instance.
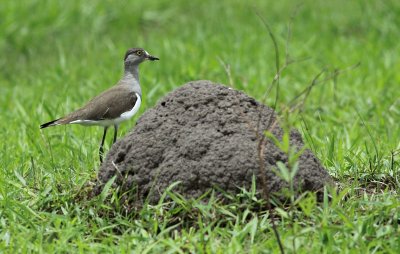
column 115, row 105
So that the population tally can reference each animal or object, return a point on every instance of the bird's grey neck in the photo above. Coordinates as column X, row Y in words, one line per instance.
column 131, row 77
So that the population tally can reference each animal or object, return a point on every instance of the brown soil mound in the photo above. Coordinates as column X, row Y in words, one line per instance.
column 204, row 135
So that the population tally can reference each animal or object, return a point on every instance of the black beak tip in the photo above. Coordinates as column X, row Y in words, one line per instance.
column 153, row 58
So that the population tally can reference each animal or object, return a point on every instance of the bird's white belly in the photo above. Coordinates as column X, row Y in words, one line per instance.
column 116, row 121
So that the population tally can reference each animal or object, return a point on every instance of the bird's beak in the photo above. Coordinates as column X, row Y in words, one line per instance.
column 151, row 58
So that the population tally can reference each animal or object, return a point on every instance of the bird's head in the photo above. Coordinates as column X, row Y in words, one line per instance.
column 137, row 55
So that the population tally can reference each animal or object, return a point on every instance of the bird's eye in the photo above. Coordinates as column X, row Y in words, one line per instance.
column 139, row 53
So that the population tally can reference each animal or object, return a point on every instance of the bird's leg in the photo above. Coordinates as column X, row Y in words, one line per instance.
column 102, row 143
column 115, row 133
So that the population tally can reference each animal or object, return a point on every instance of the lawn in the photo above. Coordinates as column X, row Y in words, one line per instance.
column 58, row 54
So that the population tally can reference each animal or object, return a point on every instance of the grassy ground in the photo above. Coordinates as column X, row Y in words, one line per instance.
column 58, row 54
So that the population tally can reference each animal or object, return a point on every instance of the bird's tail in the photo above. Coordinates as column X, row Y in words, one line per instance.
column 51, row 123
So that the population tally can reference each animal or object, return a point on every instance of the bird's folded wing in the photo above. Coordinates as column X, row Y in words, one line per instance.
column 108, row 105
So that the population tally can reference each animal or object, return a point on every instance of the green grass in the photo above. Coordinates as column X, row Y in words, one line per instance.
column 58, row 54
